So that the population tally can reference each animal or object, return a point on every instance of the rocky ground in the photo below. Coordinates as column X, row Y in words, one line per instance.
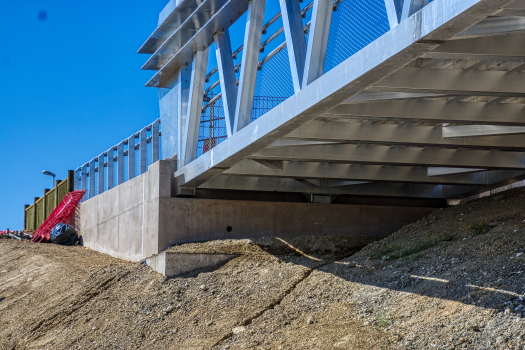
column 454, row 280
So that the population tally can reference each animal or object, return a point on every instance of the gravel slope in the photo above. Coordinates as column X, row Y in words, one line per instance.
column 450, row 281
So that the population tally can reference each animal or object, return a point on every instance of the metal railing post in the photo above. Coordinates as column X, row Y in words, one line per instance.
column 155, row 144
column 143, row 148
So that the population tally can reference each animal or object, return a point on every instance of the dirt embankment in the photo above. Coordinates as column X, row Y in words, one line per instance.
column 450, row 281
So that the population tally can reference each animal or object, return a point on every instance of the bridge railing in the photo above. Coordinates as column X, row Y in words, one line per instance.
column 120, row 163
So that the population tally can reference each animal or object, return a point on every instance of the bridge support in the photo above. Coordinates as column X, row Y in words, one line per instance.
column 140, row 218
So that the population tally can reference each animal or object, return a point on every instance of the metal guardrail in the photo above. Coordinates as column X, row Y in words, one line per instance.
column 108, row 169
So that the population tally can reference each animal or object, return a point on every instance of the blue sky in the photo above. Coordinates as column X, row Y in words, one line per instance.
column 70, row 87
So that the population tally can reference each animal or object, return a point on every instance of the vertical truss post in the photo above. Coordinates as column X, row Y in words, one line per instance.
column 131, row 157
column 120, row 163
column 295, row 40
column 92, row 178
column 111, row 167
column 197, row 84
column 391, row 12
column 318, row 40
column 250, row 60
column 223, row 51
column 155, row 144
column 101, row 173
column 143, row 151
column 77, row 179
column 412, row 6
column 83, row 182
column 183, row 93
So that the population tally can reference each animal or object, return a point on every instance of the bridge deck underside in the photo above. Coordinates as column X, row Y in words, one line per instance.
column 434, row 108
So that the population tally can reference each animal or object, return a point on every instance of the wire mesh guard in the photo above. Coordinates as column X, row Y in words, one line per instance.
column 354, row 25
column 212, row 129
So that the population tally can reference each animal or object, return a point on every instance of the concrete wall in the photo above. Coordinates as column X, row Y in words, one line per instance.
column 139, row 218
column 187, row 220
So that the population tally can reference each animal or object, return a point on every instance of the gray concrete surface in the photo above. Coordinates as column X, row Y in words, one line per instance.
column 173, row 264
column 139, row 218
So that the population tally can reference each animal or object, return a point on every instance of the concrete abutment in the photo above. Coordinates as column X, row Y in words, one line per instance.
column 140, row 218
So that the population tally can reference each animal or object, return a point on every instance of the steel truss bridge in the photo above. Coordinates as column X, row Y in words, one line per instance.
column 434, row 107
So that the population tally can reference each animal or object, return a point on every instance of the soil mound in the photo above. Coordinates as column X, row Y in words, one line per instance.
column 454, row 280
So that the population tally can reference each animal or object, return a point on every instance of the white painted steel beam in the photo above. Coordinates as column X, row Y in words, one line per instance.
column 183, row 93
column 194, row 112
column 171, row 17
column 483, row 130
column 391, row 12
column 495, row 26
column 270, row 184
column 295, row 39
column 375, row 96
column 437, row 136
column 396, row 155
column 412, row 6
column 223, row 50
column 367, row 172
column 440, row 171
column 454, row 81
column 221, row 20
column 433, row 111
column 435, row 23
column 500, row 48
column 317, row 40
column 250, row 59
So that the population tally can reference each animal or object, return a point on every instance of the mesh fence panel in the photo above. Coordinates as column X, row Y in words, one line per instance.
column 355, row 24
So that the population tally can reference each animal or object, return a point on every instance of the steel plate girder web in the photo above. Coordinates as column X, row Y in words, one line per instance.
column 356, row 132
column 250, row 59
column 437, row 22
column 454, row 81
column 271, row 184
column 433, row 111
column 400, row 155
column 367, row 172
column 295, row 39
